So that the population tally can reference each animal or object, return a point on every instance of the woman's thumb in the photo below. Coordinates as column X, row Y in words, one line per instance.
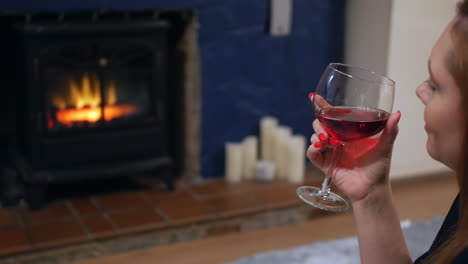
column 391, row 129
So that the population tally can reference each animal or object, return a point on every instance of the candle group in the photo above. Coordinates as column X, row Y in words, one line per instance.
column 281, row 156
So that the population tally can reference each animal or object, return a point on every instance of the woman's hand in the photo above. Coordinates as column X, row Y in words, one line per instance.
column 363, row 165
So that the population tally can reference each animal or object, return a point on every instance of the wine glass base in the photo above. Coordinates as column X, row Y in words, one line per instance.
column 331, row 202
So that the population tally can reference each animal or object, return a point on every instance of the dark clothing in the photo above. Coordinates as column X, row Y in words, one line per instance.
column 447, row 228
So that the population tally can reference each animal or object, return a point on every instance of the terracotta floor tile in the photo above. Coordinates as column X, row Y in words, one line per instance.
column 53, row 212
column 137, row 220
column 267, row 185
column 218, row 187
column 58, row 233
column 235, row 204
column 84, row 206
column 167, row 196
column 98, row 225
column 120, row 201
column 184, row 209
column 312, row 177
column 13, row 240
column 278, row 196
column 7, row 218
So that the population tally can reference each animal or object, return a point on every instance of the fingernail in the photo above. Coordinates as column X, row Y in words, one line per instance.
column 334, row 142
column 399, row 115
column 311, row 95
column 318, row 144
column 322, row 137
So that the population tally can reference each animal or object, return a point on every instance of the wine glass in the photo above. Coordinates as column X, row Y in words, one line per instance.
column 351, row 103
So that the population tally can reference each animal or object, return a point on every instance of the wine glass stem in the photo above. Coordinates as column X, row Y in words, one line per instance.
column 333, row 160
column 325, row 190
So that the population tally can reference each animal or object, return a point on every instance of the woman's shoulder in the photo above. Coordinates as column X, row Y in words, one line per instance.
column 448, row 226
column 462, row 258
column 445, row 231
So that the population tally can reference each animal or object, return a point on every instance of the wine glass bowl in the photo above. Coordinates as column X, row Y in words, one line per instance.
column 351, row 103
column 352, row 123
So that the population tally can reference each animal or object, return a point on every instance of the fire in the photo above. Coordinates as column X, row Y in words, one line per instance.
column 82, row 102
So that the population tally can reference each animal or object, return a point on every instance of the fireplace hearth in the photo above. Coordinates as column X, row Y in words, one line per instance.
column 93, row 97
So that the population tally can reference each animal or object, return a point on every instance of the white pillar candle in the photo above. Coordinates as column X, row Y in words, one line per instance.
column 250, row 151
column 283, row 134
column 268, row 127
column 233, row 162
column 296, row 152
column 265, row 171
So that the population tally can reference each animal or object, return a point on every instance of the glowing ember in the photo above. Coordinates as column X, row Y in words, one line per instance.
column 93, row 114
column 82, row 102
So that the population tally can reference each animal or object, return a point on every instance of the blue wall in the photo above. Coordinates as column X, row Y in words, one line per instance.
column 246, row 73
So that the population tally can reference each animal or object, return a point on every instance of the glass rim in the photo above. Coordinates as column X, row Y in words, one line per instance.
column 334, row 64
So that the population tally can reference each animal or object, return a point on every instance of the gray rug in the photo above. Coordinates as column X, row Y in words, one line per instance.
column 418, row 235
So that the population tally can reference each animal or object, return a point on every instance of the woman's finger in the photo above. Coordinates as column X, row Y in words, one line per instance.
column 320, row 131
column 314, row 153
column 390, row 131
column 317, row 126
column 314, row 139
column 318, row 100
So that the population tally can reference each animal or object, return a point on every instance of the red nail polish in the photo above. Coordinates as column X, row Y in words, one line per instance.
column 399, row 115
column 334, row 142
column 322, row 137
column 318, row 144
column 310, row 95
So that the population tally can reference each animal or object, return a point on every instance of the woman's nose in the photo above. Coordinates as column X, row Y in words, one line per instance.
column 422, row 94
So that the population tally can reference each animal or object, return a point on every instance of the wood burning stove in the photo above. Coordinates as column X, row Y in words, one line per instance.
column 92, row 99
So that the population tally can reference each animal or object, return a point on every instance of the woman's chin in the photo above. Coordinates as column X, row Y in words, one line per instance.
column 431, row 149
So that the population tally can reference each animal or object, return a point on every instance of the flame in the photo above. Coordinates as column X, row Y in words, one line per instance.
column 88, row 94
column 111, row 94
column 82, row 102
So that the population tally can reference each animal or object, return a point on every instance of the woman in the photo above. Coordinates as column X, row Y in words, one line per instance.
column 366, row 182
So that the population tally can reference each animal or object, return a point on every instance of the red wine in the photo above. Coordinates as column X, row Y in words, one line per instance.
column 351, row 123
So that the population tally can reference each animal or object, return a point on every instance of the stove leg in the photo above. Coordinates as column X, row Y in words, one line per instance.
column 168, row 178
column 11, row 187
column 36, row 194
